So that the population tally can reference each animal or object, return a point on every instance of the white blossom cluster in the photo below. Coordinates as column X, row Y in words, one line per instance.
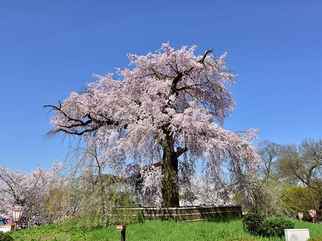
column 151, row 190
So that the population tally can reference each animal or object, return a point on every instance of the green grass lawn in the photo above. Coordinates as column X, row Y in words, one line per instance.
column 153, row 231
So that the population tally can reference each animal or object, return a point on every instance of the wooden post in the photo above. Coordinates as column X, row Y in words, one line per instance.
column 123, row 233
column 14, row 227
column 122, row 228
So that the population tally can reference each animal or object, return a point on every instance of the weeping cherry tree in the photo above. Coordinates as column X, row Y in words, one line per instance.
column 168, row 106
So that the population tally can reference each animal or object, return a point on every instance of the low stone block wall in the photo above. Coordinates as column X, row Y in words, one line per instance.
column 184, row 213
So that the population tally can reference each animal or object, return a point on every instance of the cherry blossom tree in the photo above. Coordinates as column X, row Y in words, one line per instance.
column 167, row 105
column 27, row 190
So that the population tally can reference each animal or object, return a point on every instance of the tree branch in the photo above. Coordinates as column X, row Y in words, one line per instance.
column 79, row 127
column 202, row 60
column 180, row 151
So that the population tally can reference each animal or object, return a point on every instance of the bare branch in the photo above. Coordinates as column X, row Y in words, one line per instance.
column 81, row 126
column 202, row 60
column 181, row 150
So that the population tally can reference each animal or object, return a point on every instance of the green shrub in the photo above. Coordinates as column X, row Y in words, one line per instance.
column 315, row 239
column 258, row 225
column 5, row 237
column 275, row 227
column 253, row 222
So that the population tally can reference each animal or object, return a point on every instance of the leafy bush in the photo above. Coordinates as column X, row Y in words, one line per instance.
column 253, row 222
column 275, row 226
column 258, row 225
column 300, row 199
column 5, row 237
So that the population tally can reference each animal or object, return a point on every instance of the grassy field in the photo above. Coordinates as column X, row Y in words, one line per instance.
column 153, row 231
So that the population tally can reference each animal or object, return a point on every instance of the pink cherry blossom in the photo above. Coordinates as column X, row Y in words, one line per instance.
column 169, row 102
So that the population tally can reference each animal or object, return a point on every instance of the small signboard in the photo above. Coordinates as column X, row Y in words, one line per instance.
column 297, row 234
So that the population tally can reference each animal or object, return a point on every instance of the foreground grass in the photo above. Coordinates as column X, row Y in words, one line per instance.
column 153, row 231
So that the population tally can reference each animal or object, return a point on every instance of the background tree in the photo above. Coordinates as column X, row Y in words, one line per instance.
column 299, row 199
column 302, row 164
column 269, row 153
column 29, row 191
column 171, row 102
column 263, row 193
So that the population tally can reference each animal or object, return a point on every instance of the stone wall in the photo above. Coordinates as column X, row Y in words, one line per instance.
column 185, row 213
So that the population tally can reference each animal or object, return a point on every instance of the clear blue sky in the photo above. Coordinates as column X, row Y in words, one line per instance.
column 49, row 48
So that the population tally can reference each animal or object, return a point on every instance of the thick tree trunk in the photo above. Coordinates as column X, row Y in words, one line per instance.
column 170, row 188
